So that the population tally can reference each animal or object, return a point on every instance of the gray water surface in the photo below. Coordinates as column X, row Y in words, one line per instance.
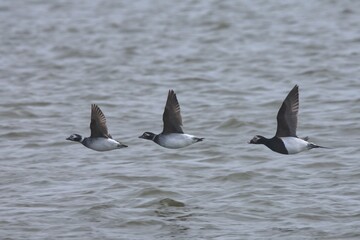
column 231, row 64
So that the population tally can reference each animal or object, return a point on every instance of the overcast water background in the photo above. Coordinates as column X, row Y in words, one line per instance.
column 231, row 64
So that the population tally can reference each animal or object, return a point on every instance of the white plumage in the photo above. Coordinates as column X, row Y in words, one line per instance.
column 176, row 140
column 103, row 144
column 294, row 145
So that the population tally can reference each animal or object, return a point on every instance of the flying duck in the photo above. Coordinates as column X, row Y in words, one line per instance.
column 285, row 140
column 100, row 139
column 172, row 135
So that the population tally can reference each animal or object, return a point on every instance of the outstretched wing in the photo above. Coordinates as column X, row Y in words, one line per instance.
column 98, row 123
column 172, row 117
column 288, row 115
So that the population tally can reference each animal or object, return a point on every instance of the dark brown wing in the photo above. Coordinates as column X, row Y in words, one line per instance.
column 98, row 123
column 172, row 117
column 287, row 115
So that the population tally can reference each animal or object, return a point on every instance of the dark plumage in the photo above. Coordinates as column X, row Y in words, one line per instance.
column 285, row 140
column 288, row 115
column 172, row 117
column 172, row 135
column 98, row 123
column 100, row 139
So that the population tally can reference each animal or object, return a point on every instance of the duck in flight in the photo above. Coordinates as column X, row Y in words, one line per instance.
column 285, row 140
column 172, row 135
column 100, row 139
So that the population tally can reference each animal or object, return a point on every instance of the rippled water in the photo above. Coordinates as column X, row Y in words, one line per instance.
column 231, row 64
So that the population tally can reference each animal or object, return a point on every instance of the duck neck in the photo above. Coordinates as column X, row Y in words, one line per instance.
column 155, row 138
column 275, row 144
column 84, row 140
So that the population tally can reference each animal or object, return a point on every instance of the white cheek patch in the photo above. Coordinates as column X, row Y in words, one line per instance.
column 255, row 139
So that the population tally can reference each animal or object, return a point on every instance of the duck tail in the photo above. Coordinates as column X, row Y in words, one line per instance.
column 198, row 139
column 122, row 145
column 312, row 145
